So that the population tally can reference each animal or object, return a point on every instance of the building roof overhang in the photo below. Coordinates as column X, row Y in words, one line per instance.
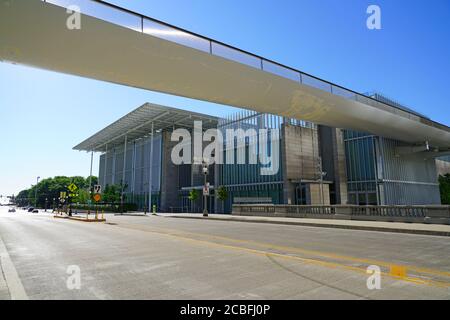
column 138, row 124
column 123, row 47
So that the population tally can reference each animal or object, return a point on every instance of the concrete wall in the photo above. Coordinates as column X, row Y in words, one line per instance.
column 301, row 152
column 300, row 162
column 318, row 192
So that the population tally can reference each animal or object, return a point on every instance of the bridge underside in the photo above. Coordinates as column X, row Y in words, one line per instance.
column 34, row 33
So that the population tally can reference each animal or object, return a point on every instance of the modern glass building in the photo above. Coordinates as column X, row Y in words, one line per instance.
column 316, row 165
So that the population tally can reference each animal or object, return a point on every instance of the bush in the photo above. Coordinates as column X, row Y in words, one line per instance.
column 444, row 185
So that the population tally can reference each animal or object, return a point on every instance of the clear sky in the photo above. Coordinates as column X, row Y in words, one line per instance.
column 44, row 114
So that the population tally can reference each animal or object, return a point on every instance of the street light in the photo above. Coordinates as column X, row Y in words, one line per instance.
column 35, row 192
column 205, row 187
column 322, row 174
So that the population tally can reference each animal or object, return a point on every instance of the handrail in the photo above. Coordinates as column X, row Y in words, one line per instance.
column 371, row 101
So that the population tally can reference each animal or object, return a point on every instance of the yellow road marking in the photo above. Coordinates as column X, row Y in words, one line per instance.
column 311, row 252
column 285, row 256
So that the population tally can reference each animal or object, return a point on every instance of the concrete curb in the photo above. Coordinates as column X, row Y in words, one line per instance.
column 130, row 215
column 80, row 219
column 335, row 226
column 13, row 282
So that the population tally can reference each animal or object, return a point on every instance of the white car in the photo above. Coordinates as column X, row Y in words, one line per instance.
column 11, row 210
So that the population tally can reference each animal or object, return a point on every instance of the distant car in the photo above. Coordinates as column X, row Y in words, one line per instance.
column 11, row 210
column 30, row 209
column 35, row 211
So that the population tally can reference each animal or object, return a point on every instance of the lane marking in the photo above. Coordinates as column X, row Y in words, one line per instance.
column 402, row 276
column 311, row 252
column 15, row 287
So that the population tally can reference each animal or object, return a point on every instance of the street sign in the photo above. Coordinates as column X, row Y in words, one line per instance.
column 206, row 189
column 97, row 188
column 72, row 187
column 97, row 197
column 62, row 195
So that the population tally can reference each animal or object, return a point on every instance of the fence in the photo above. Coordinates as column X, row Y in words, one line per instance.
column 418, row 214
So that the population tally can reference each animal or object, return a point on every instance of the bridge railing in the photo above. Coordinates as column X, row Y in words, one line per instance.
column 419, row 214
column 156, row 28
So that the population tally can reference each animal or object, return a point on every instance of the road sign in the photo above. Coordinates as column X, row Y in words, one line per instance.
column 97, row 197
column 72, row 187
column 97, row 188
column 206, row 189
column 62, row 195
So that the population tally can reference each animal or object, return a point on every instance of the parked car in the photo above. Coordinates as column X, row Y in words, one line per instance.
column 35, row 211
column 11, row 210
column 30, row 209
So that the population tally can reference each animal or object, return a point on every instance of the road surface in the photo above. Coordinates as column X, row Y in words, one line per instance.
column 155, row 257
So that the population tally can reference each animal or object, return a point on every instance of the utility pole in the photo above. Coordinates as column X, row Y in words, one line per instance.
column 35, row 192
column 321, row 175
column 205, row 187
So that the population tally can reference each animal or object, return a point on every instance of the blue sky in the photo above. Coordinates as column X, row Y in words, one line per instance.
column 44, row 114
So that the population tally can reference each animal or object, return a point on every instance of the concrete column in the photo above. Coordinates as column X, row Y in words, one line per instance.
column 124, row 161
column 106, row 165
column 113, row 174
column 133, row 169
column 150, row 180
column 123, row 170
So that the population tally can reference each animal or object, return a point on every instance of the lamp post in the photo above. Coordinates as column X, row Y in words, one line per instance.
column 205, row 187
column 35, row 192
column 322, row 174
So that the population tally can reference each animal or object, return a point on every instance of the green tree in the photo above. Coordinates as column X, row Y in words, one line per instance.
column 444, row 186
column 112, row 193
column 194, row 194
column 22, row 198
column 83, row 196
column 93, row 180
column 222, row 195
column 50, row 188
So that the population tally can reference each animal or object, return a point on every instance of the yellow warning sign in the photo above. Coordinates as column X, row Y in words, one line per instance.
column 72, row 187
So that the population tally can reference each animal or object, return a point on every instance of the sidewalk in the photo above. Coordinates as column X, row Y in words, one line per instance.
column 398, row 227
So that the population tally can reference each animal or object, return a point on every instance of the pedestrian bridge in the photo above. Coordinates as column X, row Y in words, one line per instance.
column 123, row 47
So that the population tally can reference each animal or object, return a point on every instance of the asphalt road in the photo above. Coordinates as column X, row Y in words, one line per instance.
column 172, row 258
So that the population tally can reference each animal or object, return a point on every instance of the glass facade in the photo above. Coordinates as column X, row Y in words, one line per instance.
column 361, row 169
column 137, row 169
column 378, row 173
column 246, row 180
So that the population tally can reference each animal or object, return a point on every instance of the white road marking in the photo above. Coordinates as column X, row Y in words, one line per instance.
column 15, row 287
